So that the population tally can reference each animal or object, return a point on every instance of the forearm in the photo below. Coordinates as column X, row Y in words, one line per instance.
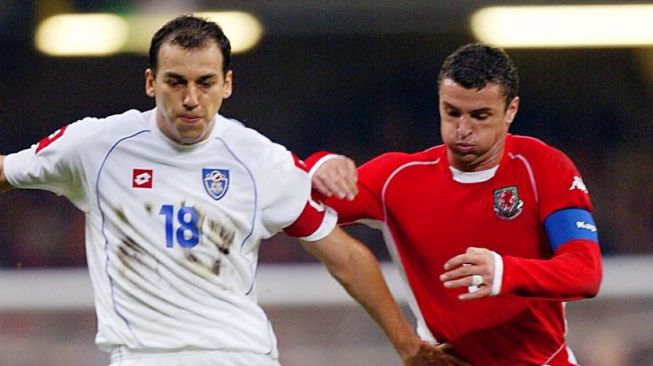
column 363, row 280
column 357, row 270
column 573, row 273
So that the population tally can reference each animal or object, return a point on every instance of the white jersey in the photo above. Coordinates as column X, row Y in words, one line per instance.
column 173, row 231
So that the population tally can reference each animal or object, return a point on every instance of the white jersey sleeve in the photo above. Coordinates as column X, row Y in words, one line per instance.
column 55, row 163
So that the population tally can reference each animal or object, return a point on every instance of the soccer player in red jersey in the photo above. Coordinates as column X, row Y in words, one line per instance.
column 492, row 232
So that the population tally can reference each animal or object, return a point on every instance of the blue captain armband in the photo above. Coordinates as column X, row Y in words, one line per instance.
column 570, row 224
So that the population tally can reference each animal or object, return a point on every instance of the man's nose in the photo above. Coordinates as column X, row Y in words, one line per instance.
column 191, row 98
column 464, row 126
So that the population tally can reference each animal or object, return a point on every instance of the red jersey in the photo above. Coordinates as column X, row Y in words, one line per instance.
column 427, row 217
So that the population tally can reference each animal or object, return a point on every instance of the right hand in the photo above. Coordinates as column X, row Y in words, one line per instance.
column 434, row 355
column 337, row 177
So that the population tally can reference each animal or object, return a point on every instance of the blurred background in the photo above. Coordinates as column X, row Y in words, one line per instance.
column 355, row 77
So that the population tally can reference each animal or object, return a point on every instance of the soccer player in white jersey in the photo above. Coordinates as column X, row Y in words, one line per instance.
column 177, row 200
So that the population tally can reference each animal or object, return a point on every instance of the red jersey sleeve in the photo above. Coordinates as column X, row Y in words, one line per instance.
column 558, row 182
column 574, row 271
column 372, row 176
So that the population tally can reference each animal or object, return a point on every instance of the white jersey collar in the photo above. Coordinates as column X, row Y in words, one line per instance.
column 473, row 177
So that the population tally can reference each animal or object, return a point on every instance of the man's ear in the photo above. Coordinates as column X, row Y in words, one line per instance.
column 228, row 84
column 149, row 82
column 511, row 112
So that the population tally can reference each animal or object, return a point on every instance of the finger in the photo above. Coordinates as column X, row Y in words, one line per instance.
column 475, row 250
column 321, row 187
column 483, row 291
column 336, row 181
column 472, row 255
column 333, row 177
column 352, row 181
column 461, row 282
column 458, row 260
column 347, row 179
column 343, row 187
column 459, row 272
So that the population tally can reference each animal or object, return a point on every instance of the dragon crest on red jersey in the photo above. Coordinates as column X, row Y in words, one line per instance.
column 507, row 204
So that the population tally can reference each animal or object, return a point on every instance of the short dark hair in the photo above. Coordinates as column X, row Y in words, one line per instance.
column 189, row 31
column 476, row 65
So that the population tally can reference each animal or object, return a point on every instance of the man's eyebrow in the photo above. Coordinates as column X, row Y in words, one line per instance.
column 170, row 74
column 482, row 110
column 479, row 110
column 449, row 105
column 207, row 76
column 178, row 77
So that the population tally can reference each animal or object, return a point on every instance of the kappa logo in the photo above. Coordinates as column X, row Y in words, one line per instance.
column 578, row 183
column 507, row 204
column 586, row 226
column 142, row 178
column 216, row 182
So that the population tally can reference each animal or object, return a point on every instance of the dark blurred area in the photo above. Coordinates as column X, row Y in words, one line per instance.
column 355, row 79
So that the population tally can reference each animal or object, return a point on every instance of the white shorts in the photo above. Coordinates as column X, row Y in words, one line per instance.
column 192, row 358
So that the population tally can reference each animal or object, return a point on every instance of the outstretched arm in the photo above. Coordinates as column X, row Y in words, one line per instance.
column 4, row 185
column 357, row 270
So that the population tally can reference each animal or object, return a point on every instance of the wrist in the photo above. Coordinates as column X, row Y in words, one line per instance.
column 317, row 163
column 408, row 347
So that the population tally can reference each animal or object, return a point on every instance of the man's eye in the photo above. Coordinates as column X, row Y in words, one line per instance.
column 453, row 113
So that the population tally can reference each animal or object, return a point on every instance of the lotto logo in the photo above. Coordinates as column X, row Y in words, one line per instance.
column 142, row 178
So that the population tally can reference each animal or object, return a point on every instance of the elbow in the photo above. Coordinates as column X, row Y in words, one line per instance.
column 595, row 273
column 591, row 290
column 593, row 277
column 590, row 268
column 594, row 284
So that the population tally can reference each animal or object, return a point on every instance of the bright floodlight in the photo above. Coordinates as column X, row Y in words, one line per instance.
column 565, row 26
column 81, row 35
column 243, row 29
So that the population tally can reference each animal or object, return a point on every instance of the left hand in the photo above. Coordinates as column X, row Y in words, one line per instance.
column 462, row 269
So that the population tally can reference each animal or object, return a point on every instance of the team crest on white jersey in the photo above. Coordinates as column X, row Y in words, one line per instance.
column 507, row 204
column 578, row 184
column 216, row 182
